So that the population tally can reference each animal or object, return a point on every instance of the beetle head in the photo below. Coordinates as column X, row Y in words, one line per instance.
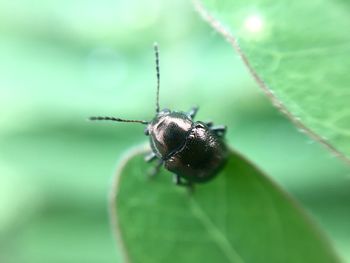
column 168, row 132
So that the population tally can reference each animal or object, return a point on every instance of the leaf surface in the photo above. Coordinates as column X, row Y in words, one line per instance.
column 240, row 216
column 299, row 53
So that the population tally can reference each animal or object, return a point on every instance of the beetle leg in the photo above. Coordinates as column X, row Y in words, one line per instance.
column 155, row 170
column 150, row 157
column 193, row 111
column 177, row 180
column 219, row 130
column 209, row 123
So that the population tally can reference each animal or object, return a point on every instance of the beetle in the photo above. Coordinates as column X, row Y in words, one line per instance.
column 193, row 151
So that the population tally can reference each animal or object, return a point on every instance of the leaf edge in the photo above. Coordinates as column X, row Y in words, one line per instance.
column 232, row 40
column 144, row 148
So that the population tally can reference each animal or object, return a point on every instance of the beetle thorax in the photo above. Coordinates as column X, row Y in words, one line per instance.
column 168, row 132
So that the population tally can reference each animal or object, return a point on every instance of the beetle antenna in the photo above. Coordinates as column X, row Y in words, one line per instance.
column 98, row 118
column 156, row 52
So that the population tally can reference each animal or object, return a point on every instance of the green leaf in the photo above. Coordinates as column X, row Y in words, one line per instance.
column 299, row 53
column 240, row 216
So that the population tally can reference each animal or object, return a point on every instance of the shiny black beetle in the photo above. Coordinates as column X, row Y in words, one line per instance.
column 194, row 151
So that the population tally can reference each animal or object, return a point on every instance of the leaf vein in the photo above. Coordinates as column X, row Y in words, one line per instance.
column 217, row 235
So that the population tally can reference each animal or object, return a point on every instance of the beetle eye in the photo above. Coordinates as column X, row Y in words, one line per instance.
column 200, row 125
column 164, row 111
column 146, row 131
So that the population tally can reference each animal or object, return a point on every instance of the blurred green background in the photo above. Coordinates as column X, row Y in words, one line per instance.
column 63, row 61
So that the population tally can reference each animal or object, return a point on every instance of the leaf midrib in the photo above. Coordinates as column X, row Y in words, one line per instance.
column 219, row 238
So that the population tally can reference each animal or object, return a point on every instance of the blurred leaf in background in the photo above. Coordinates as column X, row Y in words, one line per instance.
column 299, row 59
column 63, row 61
